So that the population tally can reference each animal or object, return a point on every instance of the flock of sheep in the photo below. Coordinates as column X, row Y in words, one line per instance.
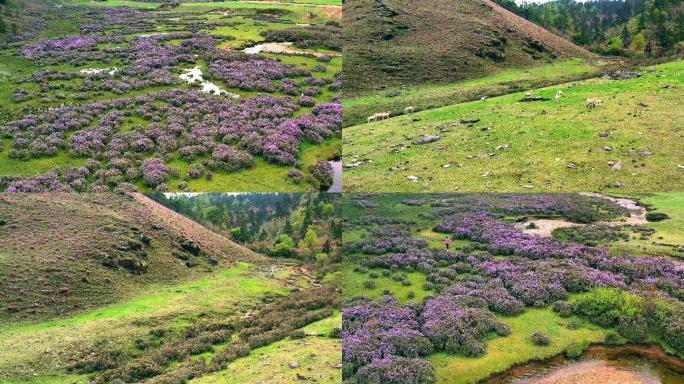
column 591, row 103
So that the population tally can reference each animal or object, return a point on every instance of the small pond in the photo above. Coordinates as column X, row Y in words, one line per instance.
column 629, row 364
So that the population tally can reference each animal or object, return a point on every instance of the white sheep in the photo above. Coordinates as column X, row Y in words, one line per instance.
column 409, row 110
column 483, row 98
column 529, row 94
column 559, row 94
column 371, row 119
column 593, row 103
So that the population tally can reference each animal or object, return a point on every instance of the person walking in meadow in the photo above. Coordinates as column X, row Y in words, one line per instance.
column 446, row 242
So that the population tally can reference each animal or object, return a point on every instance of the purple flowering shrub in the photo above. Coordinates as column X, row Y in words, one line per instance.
column 154, row 172
column 378, row 330
column 396, row 370
column 230, row 158
column 322, row 174
column 456, row 328
column 197, row 123
column 322, row 36
column 503, row 270
column 386, row 239
column 249, row 72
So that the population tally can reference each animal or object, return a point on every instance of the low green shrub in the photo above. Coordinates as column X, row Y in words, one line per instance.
column 576, row 350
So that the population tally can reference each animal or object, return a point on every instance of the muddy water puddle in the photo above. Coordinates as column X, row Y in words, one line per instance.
column 630, row 364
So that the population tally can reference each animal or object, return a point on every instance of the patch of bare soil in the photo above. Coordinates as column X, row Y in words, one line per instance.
column 545, row 227
column 596, row 372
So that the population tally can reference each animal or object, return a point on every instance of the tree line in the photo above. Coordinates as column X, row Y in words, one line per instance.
column 298, row 225
column 636, row 28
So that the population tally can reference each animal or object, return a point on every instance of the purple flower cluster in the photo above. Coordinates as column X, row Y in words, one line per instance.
column 386, row 239
column 55, row 47
column 197, row 122
column 377, row 335
column 248, row 72
column 154, row 172
column 230, row 158
column 456, row 328
column 376, row 331
column 503, row 239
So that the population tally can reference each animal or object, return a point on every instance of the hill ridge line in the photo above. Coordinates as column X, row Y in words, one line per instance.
column 215, row 243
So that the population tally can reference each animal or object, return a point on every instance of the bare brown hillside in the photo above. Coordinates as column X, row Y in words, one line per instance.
column 404, row 42
column 62, row 253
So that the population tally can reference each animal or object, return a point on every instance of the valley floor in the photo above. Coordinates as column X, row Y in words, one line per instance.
column 632, row 142
column 388, row 217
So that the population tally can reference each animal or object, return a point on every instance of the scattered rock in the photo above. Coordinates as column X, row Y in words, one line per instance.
column 617, row 184
column 643, row 104
column 617, row 166
column 529, row 99
column 502, row 147
column 645, row 153
column 469, row 121
column 426, row 139
column 302, row 377
column 412, row 178
column 603, row 134
column 607, row 148
column 353, row 164
column 622, row 74
column 571, row 165
column 294, row 364
column 656, row 216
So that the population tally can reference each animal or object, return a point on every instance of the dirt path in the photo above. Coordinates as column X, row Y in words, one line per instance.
column 545, row 227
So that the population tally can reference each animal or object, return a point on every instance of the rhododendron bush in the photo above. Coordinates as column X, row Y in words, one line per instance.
column 496, row 270
column 139, row 90
column 197, row 123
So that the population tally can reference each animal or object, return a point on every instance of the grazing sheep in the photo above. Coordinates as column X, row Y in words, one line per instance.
column 409, row 110
column 593, row 103
column 378, row 116
column 529, row 94
column 483, row 98
column 559, row 94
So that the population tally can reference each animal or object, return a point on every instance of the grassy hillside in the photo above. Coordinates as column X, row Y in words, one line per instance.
column 430, row 96
column 96, row 285
column 394, row 42
column 630, row 143
column 66, row 253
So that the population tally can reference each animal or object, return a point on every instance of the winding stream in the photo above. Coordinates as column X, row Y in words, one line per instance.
column 628, row 364
column 194, row 75
column 337, row 176
column 545, row 227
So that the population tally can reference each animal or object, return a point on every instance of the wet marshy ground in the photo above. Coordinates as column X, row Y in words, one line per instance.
column 629, row 364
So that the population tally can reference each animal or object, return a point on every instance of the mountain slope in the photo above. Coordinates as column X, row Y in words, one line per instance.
column 65, row 253
column 392, row 42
